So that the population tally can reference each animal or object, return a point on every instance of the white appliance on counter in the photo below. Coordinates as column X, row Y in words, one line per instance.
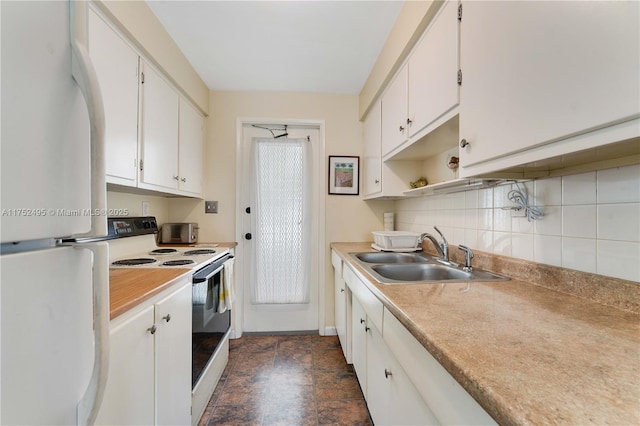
column 54, row 289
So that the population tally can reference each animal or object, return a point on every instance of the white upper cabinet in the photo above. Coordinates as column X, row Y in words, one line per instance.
column 372, row 151
column 546, row 73
column 425, row 93
column 159, row 131
column 116, row 64
column 191, row 140
column 154, row 136
column 433, row 70
column 394, row 112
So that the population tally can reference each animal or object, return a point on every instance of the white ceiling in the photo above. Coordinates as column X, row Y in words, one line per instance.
column 297, row 46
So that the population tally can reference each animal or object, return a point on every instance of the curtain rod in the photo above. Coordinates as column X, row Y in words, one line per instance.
column 276, row 129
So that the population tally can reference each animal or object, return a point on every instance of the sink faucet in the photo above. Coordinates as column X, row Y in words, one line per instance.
column 442, row 248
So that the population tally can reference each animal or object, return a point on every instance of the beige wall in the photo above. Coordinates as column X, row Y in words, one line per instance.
column 348, row 218
column 142, row 27
column 158, row 205
column 409, row 26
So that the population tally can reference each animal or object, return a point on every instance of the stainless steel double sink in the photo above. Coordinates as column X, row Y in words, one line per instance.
column 403, row 268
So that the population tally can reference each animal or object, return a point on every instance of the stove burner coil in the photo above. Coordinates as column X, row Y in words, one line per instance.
column 178, row 262
column 133, row 262
column 199, row 251
column 163, row 251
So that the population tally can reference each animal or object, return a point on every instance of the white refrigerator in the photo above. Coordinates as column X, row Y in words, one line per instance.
column 54, row 295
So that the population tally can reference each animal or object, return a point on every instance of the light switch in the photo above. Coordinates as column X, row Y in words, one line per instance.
column 211, row 207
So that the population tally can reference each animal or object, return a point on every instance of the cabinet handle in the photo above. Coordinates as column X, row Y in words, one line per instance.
column 183, row 179
column 377, row 181
column 464, row 143
column 152, row 329
column 387, row 373
column 167, row 317
column 409, row 122
column 361, row 321
column 175, row 178
column 366, row 329
column 401, row 129
column 342, row 290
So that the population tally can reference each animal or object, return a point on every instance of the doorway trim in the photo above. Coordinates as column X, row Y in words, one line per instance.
column 318, row 249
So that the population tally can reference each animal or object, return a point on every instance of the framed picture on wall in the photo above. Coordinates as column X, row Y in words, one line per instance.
column 344, row 175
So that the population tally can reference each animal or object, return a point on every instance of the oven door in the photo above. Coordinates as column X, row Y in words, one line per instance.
column 209, row 324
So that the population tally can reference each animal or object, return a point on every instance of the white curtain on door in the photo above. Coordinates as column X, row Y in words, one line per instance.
column 281, row 221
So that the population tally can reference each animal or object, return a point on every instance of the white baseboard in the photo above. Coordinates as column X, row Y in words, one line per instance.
column 330, row 331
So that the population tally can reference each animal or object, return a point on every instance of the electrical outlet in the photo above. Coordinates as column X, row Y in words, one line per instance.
column 211, row 207
column 145, row 208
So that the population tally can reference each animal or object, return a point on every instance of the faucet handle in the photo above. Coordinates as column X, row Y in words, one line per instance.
column 468, row 255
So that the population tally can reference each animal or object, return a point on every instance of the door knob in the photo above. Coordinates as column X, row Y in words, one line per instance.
column 247, row 236
column 464, row 143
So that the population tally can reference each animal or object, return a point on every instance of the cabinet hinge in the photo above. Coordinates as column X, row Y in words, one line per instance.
column 460, row 12
column 459, row 77
column 142, row 78
column 141, row 165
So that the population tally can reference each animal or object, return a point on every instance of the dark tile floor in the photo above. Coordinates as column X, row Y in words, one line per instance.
column 287, row 380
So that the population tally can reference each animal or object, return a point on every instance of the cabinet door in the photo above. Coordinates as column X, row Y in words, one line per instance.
column 538, row 72
column 173, row 358
column 372, row 150
column 341, row 317
column 129, row 396
column 116, row 65
column 159, row 131
column 191, row 131
column 433, row 70
column 394, row 113
column 359, row 343
column 395, row 400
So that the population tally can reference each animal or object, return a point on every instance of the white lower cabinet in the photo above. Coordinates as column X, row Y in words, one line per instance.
column 402, row 382
column 390, row 396
column 359, row 343
column 342, row 297
column 150, row 363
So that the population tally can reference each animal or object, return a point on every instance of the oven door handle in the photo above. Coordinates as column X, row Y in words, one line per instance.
column 201, row 280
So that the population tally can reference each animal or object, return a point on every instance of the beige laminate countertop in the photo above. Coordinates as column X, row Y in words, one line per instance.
column 525, row 353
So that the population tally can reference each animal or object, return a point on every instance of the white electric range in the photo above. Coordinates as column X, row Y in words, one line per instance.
column 133, row 245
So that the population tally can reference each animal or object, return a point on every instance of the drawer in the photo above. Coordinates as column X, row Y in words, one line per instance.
column 448, row 400
column 370, row 303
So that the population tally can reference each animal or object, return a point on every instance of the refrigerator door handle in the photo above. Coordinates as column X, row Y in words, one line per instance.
column 90, row 403
column 85, row 75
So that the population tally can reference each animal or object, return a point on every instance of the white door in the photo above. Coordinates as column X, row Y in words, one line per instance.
column 280, row 289
column 47, row 334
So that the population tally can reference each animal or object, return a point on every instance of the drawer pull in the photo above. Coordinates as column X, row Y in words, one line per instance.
column 387, row 373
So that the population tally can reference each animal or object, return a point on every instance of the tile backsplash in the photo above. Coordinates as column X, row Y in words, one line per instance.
column 590, row 222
